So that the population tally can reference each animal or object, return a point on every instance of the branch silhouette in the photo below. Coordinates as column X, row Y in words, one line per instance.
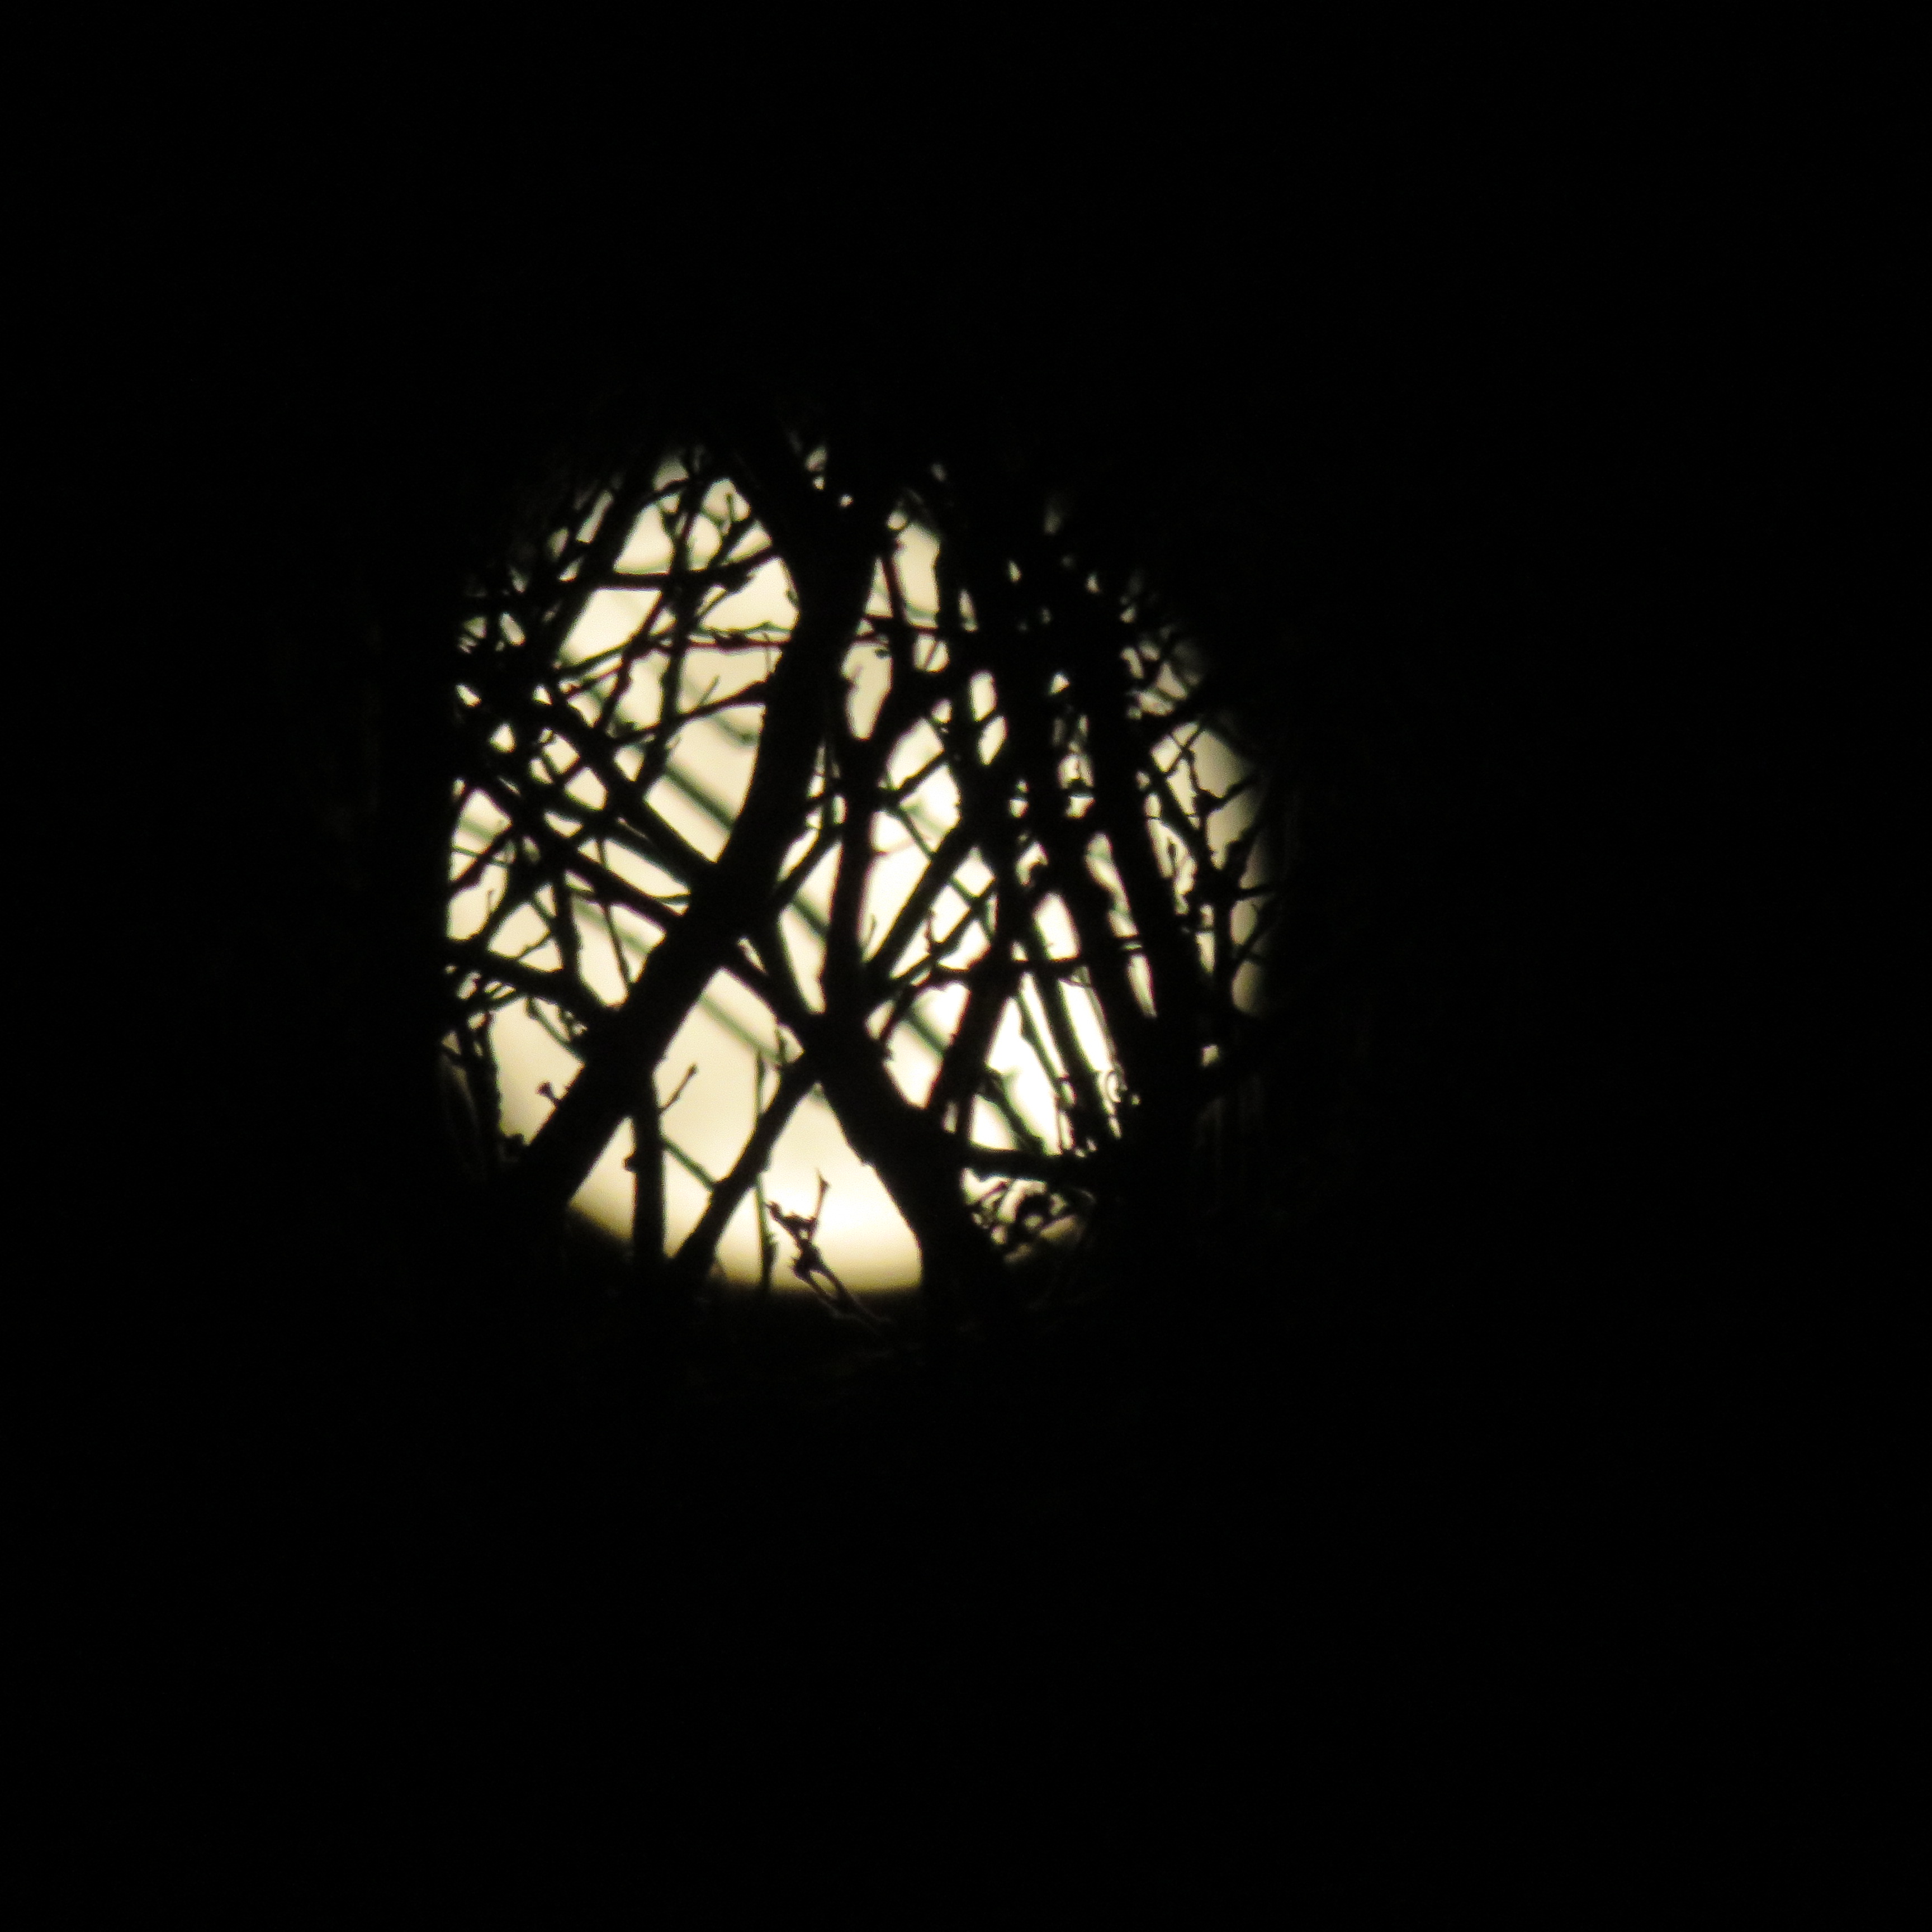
column 1035, row 766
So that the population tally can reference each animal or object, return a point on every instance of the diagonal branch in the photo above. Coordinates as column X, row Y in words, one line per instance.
column 833, row 581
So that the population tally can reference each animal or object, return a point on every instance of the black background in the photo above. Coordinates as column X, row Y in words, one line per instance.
column 1487, row 455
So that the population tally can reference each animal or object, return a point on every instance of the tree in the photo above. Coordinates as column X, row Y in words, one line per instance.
column 877, row 760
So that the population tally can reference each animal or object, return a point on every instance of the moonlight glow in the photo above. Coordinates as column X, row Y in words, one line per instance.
column 615, row 705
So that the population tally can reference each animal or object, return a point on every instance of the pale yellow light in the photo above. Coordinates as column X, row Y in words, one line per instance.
column 861, row 1233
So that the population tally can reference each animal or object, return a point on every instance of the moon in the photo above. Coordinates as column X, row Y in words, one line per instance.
column 722, row 1062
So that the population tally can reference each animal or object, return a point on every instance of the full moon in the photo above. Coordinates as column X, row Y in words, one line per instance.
column 587, row 810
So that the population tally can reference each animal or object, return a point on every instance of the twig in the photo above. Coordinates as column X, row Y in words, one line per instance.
column 810, row 1266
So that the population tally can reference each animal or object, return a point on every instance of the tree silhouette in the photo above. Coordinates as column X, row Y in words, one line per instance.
column 993, row 882
column 1541, row 1153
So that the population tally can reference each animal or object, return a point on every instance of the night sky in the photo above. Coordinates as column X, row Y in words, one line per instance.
column 1488, row 495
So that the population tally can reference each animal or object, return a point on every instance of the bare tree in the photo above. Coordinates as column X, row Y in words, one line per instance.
column 932, row 811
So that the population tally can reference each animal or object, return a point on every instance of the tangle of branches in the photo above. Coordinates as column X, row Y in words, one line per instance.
column 931, row 816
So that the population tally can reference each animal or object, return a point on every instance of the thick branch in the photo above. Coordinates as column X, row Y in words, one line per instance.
column 731, row 896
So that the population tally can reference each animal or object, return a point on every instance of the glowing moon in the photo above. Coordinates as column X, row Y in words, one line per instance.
column 713, row 1066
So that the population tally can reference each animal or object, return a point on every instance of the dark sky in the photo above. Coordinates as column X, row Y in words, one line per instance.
column 1488, row 453
column 1478, row 464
